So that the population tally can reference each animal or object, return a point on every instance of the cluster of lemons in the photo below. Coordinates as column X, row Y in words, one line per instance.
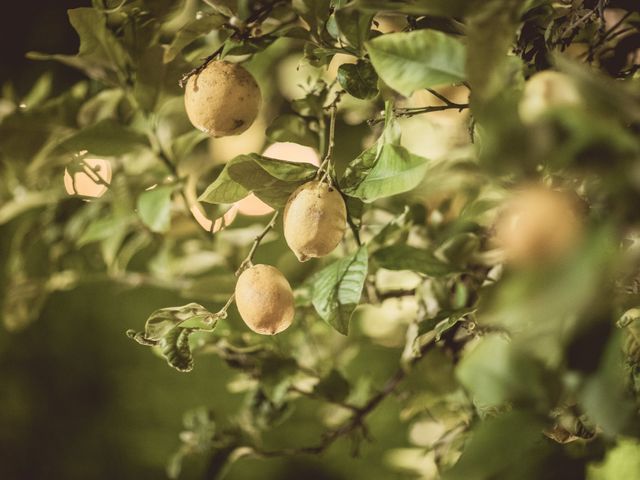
column 224, row 99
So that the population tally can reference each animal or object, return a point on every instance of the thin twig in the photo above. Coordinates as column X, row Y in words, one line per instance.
column 326, row 161
column 205, row 63
column 247, row 262
column 411, row 111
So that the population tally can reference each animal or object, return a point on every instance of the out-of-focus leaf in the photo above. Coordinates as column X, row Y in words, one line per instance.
column 409, row 61
column 495, row 372
column 444, row 8
column 333, row 387
column 336, row 289
column 354, row 26
column 491, row 33
column 102, row 228
column 292, row 128
column 405, row 257
column 154, row 208
column 101, row 55
column 622, row 461
column 192, row 31
column 106, row 137
column 16, row 207
column 394, row 232
column 524, row 453
column 606, row 399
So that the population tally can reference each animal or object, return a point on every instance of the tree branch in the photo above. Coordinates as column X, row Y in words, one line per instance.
column 355, row 421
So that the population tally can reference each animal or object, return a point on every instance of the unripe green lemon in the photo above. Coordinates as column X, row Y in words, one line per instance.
column 264, row 299
column 538, row 225
column 222, row 100
column 315, row 219
column 545, row 90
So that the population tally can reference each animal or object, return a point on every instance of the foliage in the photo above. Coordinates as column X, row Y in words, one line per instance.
column 520, row 372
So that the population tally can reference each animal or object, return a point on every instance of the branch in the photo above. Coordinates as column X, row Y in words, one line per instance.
column 247, row 262
column 355, row 421
column 196, row 71
column 410, row 112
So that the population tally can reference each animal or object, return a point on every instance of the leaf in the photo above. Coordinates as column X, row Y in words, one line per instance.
column 409, row 61
column 359, row 80
column 448, row 323
column 101, row 55
column 354, row 26
column 192, row 31
column 103, row 228
column 106, row 137
column 337, row 289
column 270, row 179
column 394, row 232
column 169, row 328
column 395, row 171
column 405, row 257
column 175, row 348
column 444, row 8
column 154, row 208
column 491, row 33
column 334, row 387
column 605, row 397
column 191, row 315
column 495, row 372
column 517, row 436
column 224, row 189
column 292, row 128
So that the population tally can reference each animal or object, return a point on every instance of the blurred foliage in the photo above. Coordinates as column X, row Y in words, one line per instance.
column 417, row 351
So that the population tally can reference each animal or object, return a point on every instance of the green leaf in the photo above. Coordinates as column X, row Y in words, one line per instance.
column 154, row 208
column 359, row 80
column 224, row 189
column 518, row 439
column 334, row 387
column 444, row 8
column 270, row 179
column 622, row 461
column 394, row 232
column 101, row 55
column 605, row 396
column 337, row 289
column 191, row 315
column 175, row 348
column 169, row 328
column 106, row 137
column 495, row 372
column 192, row 31
column 354, row 26
column 395, row 171
column 491, row 33
column 292, row 128
column 409, row 61
column 405, row 257
column 102, row 228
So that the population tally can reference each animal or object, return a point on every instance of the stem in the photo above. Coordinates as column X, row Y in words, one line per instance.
column 410, row 112
column 324, row 165
column 247, row 262
column 196, row 71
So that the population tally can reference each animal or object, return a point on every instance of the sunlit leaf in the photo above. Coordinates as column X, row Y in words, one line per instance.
column 409, row 61
column 337, row 289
